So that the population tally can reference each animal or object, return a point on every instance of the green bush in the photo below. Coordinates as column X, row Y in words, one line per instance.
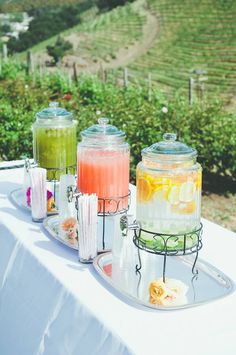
column 206, row 127
column 59, row 49
column 110, row 4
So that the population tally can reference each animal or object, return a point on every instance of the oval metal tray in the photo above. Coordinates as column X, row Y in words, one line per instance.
column 208, row 285
column 51, row 224
column 17, row 197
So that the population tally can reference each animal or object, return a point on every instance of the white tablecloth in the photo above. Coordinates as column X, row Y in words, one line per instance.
column 52, row 305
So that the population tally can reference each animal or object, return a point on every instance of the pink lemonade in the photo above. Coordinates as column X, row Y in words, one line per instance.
column 106, row 173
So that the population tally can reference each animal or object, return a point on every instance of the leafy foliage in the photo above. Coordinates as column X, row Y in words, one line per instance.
column 59, row 49
column 110, row 4
column 5, row 28
column 206, row 126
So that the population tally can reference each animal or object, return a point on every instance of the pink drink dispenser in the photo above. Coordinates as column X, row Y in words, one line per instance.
column 103, row 166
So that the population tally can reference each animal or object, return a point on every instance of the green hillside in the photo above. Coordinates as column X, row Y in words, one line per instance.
column 102, row 35
column 24, row 5
column 189, row 35
column 193, row 34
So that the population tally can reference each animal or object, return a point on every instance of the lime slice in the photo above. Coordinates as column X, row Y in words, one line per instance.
column 173, row 195
column 187, row 191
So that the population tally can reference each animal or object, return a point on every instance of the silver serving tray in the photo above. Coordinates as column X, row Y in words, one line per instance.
column 208, row 285
column 17, row 196
column 51, row 224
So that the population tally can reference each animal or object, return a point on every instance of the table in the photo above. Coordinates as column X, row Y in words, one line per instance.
column 52, row 305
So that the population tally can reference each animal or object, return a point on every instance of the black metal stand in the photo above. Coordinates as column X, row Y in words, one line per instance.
column 107, row 207
column 55, row 173
column 168, row 245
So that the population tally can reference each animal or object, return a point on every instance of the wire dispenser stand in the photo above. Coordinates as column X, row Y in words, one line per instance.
column 168, row 245
column 165, row 245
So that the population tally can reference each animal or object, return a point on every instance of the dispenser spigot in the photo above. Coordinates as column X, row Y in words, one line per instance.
column 72, row 193
column 125, row 224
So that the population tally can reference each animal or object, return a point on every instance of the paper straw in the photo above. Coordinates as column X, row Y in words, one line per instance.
column 87, row 213
column 38, row 194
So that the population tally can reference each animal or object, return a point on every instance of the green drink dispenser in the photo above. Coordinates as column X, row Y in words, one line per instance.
column 54, row 141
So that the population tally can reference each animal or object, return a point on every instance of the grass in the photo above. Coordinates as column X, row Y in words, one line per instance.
column 219, row 200
column 125, row 27
column 220, row 209
column 192, row 34
column 24, row 5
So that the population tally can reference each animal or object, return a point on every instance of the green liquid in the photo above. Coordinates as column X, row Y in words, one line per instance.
column 55, row 148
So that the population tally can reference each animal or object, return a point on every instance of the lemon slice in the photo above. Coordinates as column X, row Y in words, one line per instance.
column 149, row 177
column 187, row 191
column 199, row 180
column 173, row 195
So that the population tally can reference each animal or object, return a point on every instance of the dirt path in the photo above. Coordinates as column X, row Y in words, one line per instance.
column 231, row 105
column 124, row 56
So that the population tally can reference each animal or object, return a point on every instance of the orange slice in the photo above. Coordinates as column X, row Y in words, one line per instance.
column 179, row 179
column 184, row 208
column 51, row 207
column 144, row 190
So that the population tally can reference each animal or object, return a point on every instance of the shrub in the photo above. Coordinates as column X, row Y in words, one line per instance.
column 110, row 4
column 206, row 127
column 59, row 49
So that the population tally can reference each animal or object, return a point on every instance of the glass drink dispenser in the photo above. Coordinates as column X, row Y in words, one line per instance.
column 103, row 166
column 169, row 183
column 54, row 141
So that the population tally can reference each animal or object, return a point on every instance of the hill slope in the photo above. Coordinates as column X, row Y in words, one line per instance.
column 193, row 34
column 101, row 38
column 24, row 5
column 180, row 35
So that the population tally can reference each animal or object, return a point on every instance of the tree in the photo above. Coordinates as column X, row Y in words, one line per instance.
column 110, row 4
column 59, row 49
column 5, row 28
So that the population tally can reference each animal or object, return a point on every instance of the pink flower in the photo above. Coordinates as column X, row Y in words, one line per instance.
column 28, row 196
column 28, row 199
column 49, row 194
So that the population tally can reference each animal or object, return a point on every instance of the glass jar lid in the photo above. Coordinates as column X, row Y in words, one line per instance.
column 54, row 111
column 103, row 130
column 169, row 149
